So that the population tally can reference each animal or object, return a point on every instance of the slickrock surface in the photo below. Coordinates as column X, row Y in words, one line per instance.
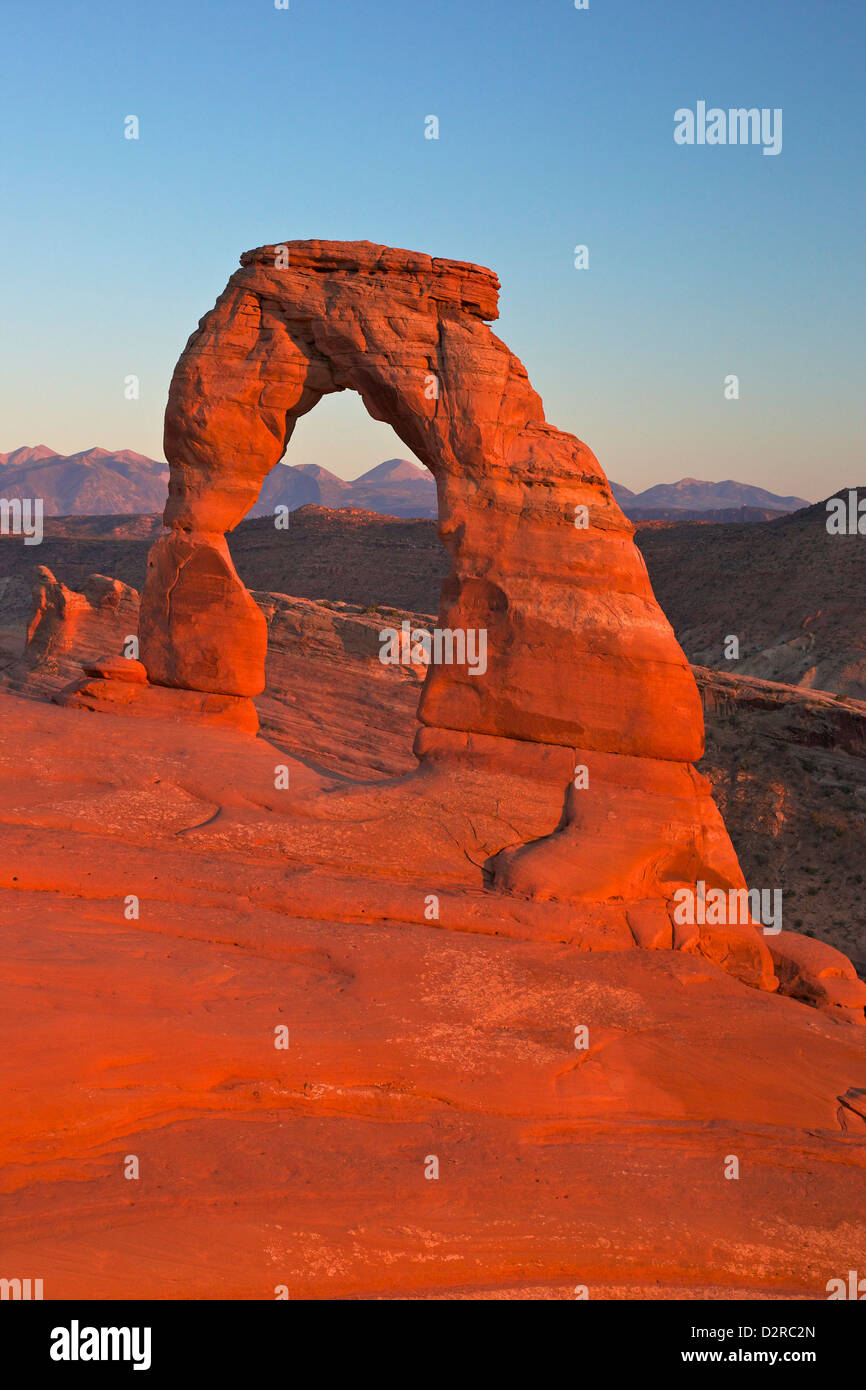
column 408, row 1038
column 786, row 765
column 327, row 695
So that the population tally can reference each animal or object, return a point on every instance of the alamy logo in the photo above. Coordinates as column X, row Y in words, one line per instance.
column 75, row 1343
column 715, row 907
column 444, row 646
column 855, row 1289
column 22, row 516
column 736, row 126
column 22, row 1289
column 846, row 518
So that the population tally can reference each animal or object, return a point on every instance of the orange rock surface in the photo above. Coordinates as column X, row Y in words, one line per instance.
column 408, row 1038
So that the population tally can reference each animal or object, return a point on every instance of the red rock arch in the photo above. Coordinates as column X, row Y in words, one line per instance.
column 580, row 651
column 583, row 667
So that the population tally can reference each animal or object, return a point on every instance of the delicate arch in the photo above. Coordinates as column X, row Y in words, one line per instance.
column 579, row 651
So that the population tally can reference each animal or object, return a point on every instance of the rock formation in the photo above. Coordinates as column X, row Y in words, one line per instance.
column 582, row 654
column 328, row 698
column 583, row 668
column 257, row 908
column 153, row 1033
column 64, row 621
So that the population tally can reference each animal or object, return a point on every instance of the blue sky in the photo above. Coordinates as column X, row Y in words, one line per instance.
column 556, row 128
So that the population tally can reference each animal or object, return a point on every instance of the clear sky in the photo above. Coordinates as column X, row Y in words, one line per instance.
column 556, row 129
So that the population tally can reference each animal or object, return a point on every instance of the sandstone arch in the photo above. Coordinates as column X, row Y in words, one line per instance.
column 578, row 636
column 583, row 665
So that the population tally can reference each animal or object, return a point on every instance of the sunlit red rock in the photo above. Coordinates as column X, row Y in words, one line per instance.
column 580, row 656
column 409, row 1036
column 200, row 630
column 482, row 812
column 64, row 620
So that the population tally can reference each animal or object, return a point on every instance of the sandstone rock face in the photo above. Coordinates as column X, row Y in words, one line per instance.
column 124, row 695
column 579, row 656
column 117, row 668
column 631, row 832
column 409, row 1036
column 580, row 652
column 65, row 621
column 482, row 811
column 818, row 974
column 200, row 629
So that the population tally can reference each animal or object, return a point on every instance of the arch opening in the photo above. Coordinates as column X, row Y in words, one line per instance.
column 340, row 562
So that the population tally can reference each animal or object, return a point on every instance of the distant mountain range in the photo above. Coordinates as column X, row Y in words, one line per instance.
column 97, row 482
column 397, row 487
column 691, row 498
column 94, row 482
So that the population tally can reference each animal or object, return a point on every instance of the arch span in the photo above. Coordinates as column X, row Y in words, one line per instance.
column 580, row 652
column 582, row 666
